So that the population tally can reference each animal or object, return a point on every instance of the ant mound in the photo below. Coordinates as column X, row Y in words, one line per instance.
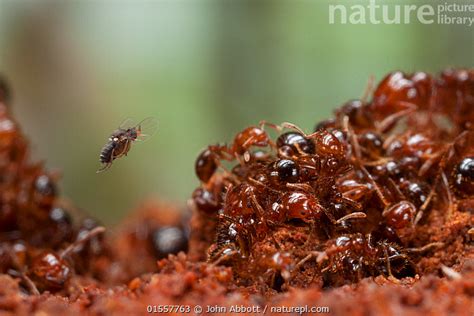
column 372, row 212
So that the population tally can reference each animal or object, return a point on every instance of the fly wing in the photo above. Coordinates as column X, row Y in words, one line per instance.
column 146, row 128
column 127, row 123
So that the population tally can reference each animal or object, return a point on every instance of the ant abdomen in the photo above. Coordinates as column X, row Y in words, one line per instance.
column 300, row 206
column 205, row 165
column 328, row 144
column 400, row 215
column 463, row 177
column 293, row 143
column 284, row 170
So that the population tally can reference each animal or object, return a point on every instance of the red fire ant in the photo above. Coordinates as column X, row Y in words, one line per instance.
column 455, row 97
column 46, row 270
column 209, row 159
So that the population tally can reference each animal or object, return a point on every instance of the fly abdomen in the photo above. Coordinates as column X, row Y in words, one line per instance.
column 106, row 153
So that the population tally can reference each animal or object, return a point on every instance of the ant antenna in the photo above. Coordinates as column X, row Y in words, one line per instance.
column 368, row 88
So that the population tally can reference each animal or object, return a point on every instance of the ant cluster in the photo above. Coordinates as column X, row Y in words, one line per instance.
column 39, row 243
column 357, row 188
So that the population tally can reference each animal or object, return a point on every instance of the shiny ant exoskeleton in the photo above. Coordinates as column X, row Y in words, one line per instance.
column 463, row 175
column 349, row 258
column 455, row 97
column 294, row 144
column 209, row 159
column 355, row 192
column 43, row 270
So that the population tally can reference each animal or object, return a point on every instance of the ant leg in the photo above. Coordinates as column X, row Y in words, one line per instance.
column 248, row 141
column 258, row 183
column 389, row 267
column 320, row 256
column 386, row 123
column 377, row 162
column 239, row 159
column 431, row 161
column 427, row 247
column 450, row 273
column 261, row 215
column 351, row 216
column 303, row 261
column 448, row 194
column 368, row 88
column 376, row 187
column 294, row 127
column 29, row 283
column 350, row 202
column 81, row 240
column 223, row 256
column 227, row 172
column 259, row 209
column 352, row 137
column 390, row 139
column 423, row 207
column 395, row 187
column 300, row 186
column 276, row 127
column 32, row 287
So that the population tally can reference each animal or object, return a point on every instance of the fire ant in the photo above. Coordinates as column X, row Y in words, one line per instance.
column 454, row 97
column 209, row 159
column 47, row 269
column 323, row 142
column 355, row 256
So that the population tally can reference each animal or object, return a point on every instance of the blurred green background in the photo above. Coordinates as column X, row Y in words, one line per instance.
column 205, row 69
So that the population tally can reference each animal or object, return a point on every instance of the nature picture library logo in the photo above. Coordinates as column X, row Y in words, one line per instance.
column 385, row 12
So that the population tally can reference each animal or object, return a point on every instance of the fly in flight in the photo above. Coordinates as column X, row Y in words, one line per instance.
column 121, row 140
